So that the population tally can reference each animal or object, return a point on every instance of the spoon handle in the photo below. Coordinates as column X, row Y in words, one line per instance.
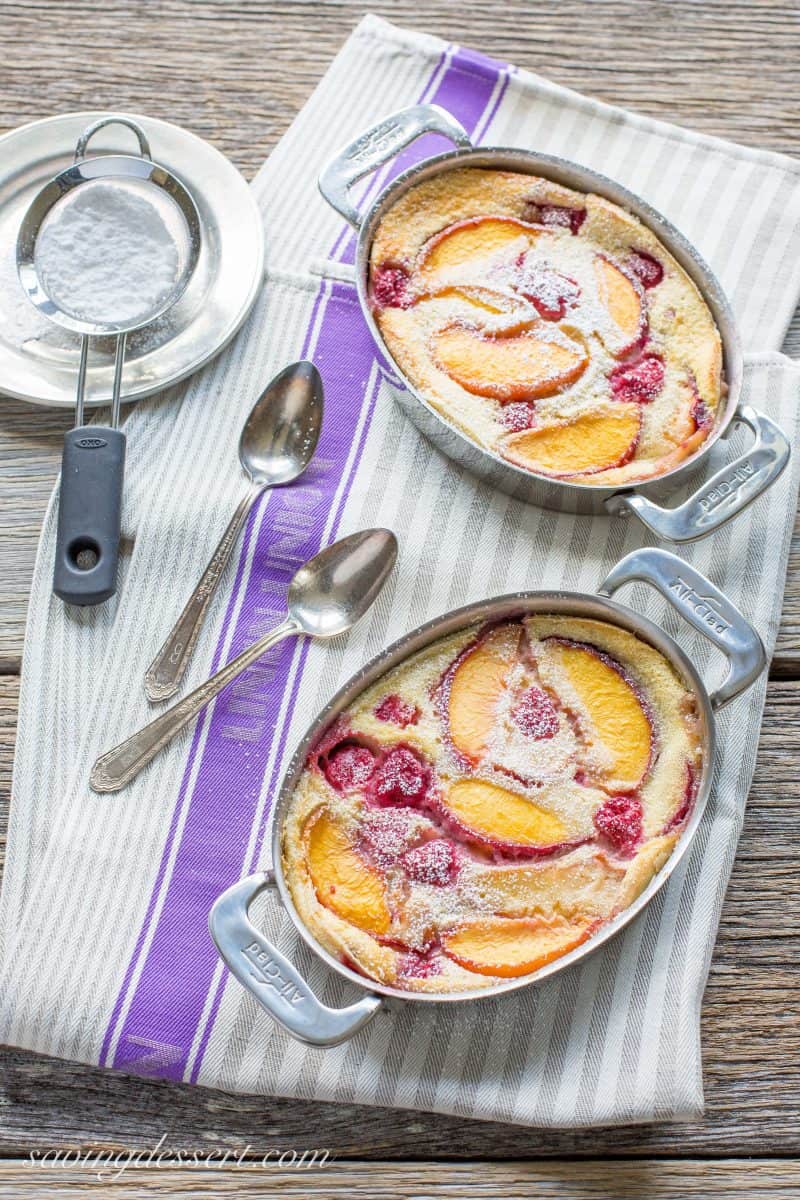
column 119, row 766
column 163, row 676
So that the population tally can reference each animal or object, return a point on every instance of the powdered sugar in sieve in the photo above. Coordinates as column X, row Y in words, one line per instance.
column 112, row 251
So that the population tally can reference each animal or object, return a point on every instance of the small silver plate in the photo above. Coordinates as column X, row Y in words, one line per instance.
column 38, row 361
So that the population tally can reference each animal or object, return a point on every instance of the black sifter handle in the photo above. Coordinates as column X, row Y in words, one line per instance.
column 90, row 502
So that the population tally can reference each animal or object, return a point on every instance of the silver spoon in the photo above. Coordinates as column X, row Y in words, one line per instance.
column 277, row 443
column 327, row 595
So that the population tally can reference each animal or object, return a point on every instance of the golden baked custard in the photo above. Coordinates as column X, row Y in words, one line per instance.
column 552, row 327
column 491, row 802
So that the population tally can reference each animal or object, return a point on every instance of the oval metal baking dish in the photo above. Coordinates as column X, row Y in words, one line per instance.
column 277, row 984
column 720, row 496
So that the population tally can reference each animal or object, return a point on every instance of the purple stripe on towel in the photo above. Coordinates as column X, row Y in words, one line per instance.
column 175, row 978
column 253, row 522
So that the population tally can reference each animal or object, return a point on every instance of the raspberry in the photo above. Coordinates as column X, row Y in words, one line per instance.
column 349, row 766
column 390, row 287
column 385, row 835
column 560, row 214
column 640, row 381
column 418, row 966
column 648, row 270
column 397, row 710
column 534, row 713
column 518, row 415
column 433, row 862
column 620, row 821
column 548, row 291
column 700, row 413
column 401, row 778
column 338, row 731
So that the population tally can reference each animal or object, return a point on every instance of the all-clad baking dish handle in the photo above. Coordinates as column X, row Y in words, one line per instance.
column 270, row 977
column 377, row 145
column 704, row 606
column 725, row 494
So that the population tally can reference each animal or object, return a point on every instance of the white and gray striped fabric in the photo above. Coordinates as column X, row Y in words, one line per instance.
column 106, row 956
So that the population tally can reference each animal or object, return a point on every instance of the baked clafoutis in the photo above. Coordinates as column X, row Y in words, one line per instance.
column 551, row 327
column 492, row 802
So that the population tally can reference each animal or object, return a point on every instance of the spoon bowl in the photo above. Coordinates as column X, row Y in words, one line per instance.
column 277, row 443
column 327, row 595
column 280, row 435
column 334, row 589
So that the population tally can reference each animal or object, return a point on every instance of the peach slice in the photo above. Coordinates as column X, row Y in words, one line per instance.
column 342, row 879
column 473, row 687
column 592, row 442
column 501, row 819
column 681, row 452
column 617, row 716
column 474, row 238
column 705, row 358
column 484, row 299
column 511, row 946
column 573, row 885
column 622, row 299
column 478, row 305
column 522, row 366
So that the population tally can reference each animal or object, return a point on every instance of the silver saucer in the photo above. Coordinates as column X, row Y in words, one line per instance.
column 38, row 361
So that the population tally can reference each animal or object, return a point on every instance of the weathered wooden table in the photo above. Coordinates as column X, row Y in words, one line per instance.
column 236, row 73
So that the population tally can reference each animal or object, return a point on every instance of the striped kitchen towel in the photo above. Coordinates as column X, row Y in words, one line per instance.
column 105, row 900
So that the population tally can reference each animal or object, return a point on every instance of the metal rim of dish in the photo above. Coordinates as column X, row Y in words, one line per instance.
column 743, row 479
column 568, row 604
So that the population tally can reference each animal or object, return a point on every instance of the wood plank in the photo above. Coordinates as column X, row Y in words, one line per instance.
column 750, row 1030
column 658, row 1179
column 9, row 699
column 236, row 74
column 30, row 459
column 786, row 661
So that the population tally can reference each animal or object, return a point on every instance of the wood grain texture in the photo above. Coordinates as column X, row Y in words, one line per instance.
column 236, row 72
column 657, row 1179
column 750, row 1031
column 9, row 699
column 30, row 459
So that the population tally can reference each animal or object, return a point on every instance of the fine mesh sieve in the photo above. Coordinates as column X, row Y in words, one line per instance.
column 93, row 461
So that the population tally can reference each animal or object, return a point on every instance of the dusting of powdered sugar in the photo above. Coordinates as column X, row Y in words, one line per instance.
column 111, row 253
column 20, row 322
